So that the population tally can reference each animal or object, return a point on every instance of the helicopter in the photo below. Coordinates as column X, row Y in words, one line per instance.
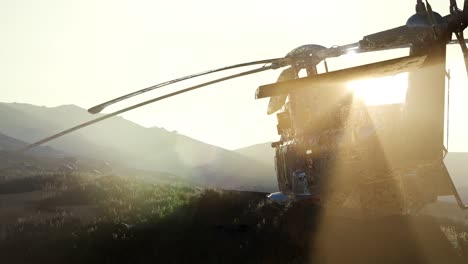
column 335, row 150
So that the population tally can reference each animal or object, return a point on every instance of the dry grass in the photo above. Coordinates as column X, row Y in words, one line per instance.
column 107, row 219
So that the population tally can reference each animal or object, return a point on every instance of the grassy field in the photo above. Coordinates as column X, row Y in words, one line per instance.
column 109, row 219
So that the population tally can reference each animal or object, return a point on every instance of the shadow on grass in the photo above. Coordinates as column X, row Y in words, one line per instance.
column 224, row 227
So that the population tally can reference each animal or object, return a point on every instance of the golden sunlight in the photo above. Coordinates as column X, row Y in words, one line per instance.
column 384, row 90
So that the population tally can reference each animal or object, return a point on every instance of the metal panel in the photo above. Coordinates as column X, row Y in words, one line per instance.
column 373, row 70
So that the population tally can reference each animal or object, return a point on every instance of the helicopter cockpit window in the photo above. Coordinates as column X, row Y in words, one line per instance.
column 302, row 73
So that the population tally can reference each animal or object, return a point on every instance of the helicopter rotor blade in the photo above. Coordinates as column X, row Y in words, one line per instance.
column 98, row 108
column 355, row 48
column 245, row 73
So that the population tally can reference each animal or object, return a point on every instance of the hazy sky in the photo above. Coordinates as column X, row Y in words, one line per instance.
column 86, row 52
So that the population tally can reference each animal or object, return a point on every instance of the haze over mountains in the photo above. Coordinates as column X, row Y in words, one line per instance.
column 42, row 157
column 121, row 141
column 12, row 144
column 263, row 152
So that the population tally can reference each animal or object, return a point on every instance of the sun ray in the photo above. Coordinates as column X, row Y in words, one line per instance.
column 379, row 91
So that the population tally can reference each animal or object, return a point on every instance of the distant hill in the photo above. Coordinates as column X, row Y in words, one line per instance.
column 33, row 123
column 12, row 144
column 11, row 160
column 122, row 141
column 260, row 152
column 44, row 159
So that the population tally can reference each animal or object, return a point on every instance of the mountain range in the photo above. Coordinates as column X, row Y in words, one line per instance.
column 263, row 153
column 120, row 141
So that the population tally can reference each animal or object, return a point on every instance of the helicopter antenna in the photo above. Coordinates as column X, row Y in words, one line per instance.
column 453, row 6
column 420, row 7
column 98, row 108
column 99, row 119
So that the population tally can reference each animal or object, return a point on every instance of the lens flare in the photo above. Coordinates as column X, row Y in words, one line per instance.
column 379, row 91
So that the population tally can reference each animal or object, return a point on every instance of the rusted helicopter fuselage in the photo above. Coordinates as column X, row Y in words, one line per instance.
column 384, row 159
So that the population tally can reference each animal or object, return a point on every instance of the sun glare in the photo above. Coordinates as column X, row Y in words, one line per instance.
column 384, row 90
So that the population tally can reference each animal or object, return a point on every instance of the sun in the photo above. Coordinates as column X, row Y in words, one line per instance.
column 383, row 90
